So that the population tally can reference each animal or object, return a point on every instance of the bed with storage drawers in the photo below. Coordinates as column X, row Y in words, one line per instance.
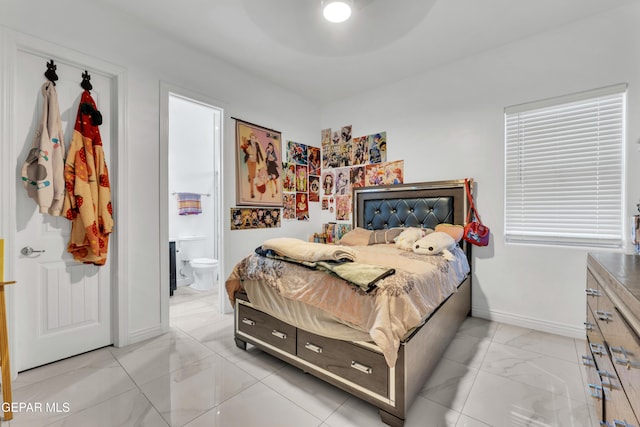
column 362, row 357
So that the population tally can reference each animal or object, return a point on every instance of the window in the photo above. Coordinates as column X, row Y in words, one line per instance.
column 564, row 169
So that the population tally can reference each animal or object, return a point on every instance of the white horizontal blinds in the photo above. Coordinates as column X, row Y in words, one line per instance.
column 564, row 169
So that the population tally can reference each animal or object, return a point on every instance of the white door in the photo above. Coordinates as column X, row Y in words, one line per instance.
column 62, row 307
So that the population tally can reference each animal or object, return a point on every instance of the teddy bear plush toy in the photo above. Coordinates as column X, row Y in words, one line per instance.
column 408, row 237
column 435, row 243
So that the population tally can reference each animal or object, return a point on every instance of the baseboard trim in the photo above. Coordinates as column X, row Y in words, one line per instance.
column 529, row 322
column 145, row 334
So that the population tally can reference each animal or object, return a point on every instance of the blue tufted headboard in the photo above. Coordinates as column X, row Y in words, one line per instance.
column 410, row 205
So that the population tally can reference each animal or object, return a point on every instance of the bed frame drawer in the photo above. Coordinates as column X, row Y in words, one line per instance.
column 359, row 365
column 266, row 328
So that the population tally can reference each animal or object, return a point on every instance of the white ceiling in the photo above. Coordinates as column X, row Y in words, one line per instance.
column 288, row 43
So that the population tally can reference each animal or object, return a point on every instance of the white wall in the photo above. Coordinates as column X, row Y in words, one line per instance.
column 448, row 123
column 150, row 57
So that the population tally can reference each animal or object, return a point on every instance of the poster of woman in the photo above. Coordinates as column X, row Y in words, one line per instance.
column 258, row 165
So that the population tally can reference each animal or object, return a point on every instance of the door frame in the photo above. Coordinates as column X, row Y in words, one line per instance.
column 12, row 42
column 166, row 90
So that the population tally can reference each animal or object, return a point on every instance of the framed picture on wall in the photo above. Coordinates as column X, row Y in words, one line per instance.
column 258, row 165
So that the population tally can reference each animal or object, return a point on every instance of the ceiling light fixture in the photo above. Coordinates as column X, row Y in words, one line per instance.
column 336, row 11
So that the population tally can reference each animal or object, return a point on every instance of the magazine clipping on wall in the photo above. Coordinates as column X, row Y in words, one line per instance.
column 352, row 162
column 252, row 218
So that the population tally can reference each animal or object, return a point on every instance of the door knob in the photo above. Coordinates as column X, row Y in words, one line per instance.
column 28, row 250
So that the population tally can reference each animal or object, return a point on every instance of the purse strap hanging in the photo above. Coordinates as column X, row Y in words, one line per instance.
column 472, row 207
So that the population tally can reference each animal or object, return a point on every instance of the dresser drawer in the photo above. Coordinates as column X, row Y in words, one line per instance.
column 624, row 348
column 356, row 364
column 617, row 407
column 266, row 328
column 593, row 291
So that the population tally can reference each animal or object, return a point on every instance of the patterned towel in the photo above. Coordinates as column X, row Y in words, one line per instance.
column 189, row 204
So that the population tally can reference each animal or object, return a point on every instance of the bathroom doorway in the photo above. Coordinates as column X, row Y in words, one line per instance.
column 191, row 152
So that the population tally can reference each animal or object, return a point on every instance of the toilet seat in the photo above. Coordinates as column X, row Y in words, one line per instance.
column 204, row 262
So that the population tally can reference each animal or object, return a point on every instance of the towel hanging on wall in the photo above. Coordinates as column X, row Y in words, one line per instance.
column 189, row 203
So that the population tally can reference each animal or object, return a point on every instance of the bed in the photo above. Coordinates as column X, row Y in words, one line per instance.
column 386, row 373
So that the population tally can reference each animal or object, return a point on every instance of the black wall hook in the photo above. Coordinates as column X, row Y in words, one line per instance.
column 86, row 83
column 50, row 74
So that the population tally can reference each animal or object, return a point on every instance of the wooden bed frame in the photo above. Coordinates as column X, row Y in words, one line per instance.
column 358, row 367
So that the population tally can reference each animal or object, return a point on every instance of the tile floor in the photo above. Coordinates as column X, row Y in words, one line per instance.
column 491, row 375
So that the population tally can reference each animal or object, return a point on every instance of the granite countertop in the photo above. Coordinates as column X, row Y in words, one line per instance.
column 624, row 270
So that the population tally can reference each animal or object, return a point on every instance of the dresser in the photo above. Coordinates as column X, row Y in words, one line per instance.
column 613, row 337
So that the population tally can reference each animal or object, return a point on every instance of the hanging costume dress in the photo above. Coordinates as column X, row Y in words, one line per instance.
column 42, row 172
column 87, row 202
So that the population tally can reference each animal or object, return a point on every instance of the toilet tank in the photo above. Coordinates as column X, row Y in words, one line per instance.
column 191, row 247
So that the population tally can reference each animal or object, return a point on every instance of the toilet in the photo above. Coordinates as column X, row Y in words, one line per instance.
column 205, row 272
column 195, row 269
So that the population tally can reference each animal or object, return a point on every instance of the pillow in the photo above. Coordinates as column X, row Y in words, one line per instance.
column 455, row 231
column 435, row 243
column 387, row 235
column 356, row 237
column 408, row 237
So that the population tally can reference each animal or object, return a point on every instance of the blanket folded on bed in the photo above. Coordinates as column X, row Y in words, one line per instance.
column 308, row 251
column 365, row 276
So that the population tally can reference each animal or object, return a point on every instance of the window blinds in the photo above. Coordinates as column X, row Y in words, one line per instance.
column 564, row 169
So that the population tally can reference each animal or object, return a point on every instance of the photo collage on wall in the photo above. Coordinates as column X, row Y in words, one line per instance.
column 301, row 182
column 348, row 163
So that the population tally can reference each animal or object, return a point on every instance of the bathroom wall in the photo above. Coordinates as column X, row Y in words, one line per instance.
column 191, row 168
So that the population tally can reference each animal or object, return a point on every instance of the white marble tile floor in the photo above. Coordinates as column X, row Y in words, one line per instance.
column 491, row 375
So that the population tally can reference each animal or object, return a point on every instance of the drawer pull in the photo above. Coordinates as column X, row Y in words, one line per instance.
column 587, row 360
column 313, row 347
column 616, row 423
column 248, row 321
column 604, row 315
column 279, row 334
column 588, row 326
column 597, row 391
column 360, row 367
column 605, row 379
column 592, row 292
column 598, row 349
column 624, row 360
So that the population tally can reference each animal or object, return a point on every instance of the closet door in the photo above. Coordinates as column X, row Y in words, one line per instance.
column 62, row 307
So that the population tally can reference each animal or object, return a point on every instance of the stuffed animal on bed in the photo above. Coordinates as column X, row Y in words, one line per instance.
column 408, row 237
column 435, row 243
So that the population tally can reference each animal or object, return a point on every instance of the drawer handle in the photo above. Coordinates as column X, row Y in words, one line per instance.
column 597, row 391
column 588, row 326
column 313, row 348
column 279, row 334
column 598, row 349
column 360, row 367
column 616, row 423
column 624, row 360
column 605, row 379
column 592, row 292
column 248, row 321
column 587, row 360
column 604, row 315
